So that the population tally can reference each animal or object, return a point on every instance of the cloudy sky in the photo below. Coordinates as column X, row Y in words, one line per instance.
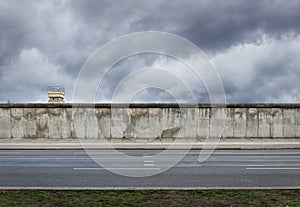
column 254, row 45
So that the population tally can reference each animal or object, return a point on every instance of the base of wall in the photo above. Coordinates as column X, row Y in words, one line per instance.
column 165, row 144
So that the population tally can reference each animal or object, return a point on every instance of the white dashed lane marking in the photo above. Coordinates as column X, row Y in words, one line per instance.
column 273, row 168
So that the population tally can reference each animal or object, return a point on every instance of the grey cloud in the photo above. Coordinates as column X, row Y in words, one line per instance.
column 181, row 75
column 226, row 23
column 66, row 32
column 262, row 73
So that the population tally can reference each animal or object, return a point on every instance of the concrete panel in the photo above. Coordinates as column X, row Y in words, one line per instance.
column 16, row 120
column 5, row 126
column 264, row 126
column 118, row 122
column 252, row 123
column 297, row 124
column 79, row 120
column 190, row 125
column 103, row 116
column 168, row 129
column 129, row 132
column 42, row 120
column 203, row 123
column 67, row 124
column 289, row 123
column 276, row 123
column 55, row 123
column 92, row 129
column 240, row 123
column 157, row 123
column 137, row 123
column 228, row 122
column 139, row 118
column 216, row 124
column 161, row 123
column 178, row 116
column 131, row 118
column 30, row 128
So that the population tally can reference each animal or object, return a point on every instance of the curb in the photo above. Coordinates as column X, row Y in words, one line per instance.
column 149, row 146
column 153, row 188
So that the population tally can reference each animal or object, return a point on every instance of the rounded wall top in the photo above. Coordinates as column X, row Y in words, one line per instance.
column 149, row 105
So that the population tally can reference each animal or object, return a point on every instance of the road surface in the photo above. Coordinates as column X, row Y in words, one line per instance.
column 224, row 168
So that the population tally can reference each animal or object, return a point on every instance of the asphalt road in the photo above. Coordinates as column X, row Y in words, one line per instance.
column 224, row 168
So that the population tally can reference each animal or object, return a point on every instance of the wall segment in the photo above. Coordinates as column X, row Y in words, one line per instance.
column 149, row 121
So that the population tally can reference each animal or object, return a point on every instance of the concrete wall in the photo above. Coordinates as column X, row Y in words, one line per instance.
column 149, row 121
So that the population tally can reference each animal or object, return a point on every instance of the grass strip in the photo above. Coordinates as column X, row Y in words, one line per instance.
column 207, row 198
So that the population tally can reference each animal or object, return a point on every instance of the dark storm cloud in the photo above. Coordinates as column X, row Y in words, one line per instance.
column 47, row 42
column 12, row 31
column 226, row 23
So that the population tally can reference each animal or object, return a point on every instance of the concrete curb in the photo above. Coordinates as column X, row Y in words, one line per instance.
column 157, row 146
column 153, row 188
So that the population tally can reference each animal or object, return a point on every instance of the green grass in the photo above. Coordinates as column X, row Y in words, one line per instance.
column 215, row 198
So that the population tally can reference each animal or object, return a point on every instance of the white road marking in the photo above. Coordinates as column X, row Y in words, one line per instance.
column 218, row 165
column 147, row 156
column 268, row 165
column 249, row 160
column 150, row 165
column 149, row 161
column 11, row 153
column 131, row 168
column 37, row 166
column 256, row 153
column 215, row 165
column 273, row 168
column 45, row 158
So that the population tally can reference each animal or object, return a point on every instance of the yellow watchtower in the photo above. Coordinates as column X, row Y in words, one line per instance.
column 56, row 94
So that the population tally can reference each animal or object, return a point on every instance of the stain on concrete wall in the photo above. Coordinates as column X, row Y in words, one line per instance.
column 5, row 123
column 252, row 122
column 42, row 123
column 16, row 122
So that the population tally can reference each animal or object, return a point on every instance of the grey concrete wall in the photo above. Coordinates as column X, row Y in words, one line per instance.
column 149, row 121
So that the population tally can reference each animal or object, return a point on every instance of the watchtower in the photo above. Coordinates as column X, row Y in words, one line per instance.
column 56, row 94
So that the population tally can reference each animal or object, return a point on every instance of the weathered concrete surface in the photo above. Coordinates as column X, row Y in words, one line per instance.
column 145, row 122
column 16, row 122
column 289, row 125
column 203, row 122
column 42, row 122
column 252, row 122
column 5, row 123
column 264, row 127
column 276, row 123
column 216, row 123
column 228, row 129
column 104, row 122
column 240, row 122
column 297, row 124
column 55, row 123
column 67, row 125
column 29, row 123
